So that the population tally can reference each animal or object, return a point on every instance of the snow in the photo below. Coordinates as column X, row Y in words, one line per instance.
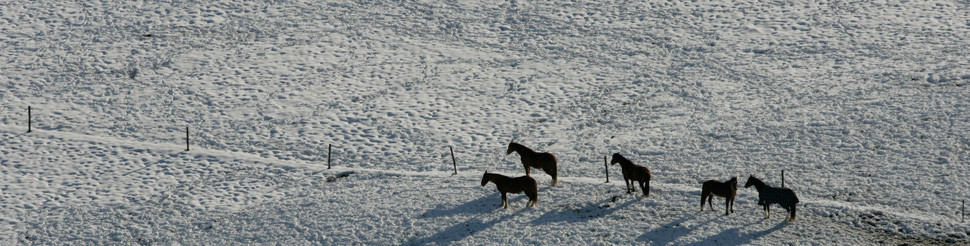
column 862, row 104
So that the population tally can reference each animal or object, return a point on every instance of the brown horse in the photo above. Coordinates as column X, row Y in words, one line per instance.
column 545, row 161
column 768, row 195
column 727, row 190
column 513, row 185
column 633, row 172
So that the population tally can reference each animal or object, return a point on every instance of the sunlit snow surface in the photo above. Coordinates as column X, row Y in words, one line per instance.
column 863, row 104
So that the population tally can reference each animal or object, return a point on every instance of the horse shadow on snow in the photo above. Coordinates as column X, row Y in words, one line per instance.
column 591, row 211
column 482, row 206
column 670, row 232
column 458, row 231
column 733, row 236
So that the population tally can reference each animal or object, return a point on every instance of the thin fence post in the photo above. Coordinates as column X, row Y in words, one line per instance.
column 607, row 169
column 186, row 138
column 782, row 178
column 453, row 162
column 329, row 151
column 963, row 211
column 29, row 120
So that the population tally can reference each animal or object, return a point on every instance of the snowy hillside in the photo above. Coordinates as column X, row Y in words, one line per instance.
column 863, row 104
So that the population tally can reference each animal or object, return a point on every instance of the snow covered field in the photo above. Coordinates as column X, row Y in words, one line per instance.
column 863, row 104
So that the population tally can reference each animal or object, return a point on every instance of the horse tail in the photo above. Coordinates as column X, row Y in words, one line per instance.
column 793, row 212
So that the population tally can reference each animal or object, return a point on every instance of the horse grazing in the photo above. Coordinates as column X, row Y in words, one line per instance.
column 768, row 195
column 633, row 172
column 513, row 185
column 727, row 190
column 544, row 160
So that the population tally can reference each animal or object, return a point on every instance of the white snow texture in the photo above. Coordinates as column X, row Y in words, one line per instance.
column 863, row 105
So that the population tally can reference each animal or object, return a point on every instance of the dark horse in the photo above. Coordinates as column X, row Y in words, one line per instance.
column 545, row 161
column 727, row 190
column 513, row 185
column 768, row 195
column 633, row 172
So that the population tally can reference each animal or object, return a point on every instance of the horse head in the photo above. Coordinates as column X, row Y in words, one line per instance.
column 752, row 181
column 485, row 178
column 733, row 182
column 616, row 158
column 511, row 148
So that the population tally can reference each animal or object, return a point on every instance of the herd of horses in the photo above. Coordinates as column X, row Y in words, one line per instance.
column 634, row 175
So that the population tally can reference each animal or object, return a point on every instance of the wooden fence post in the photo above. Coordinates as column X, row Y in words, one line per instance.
column 782, row 178
column 329, row 151
column 28, row 119
column 186, row 138
column 607, row 169
column 453, row 162
column 963, row 212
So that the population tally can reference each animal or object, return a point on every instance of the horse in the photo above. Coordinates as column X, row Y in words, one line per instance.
column 768, row 195
column 513, row 185
column 544, row 160
column 728, row 190
column 633, row 173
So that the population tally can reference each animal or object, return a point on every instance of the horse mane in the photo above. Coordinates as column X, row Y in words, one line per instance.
column 494, row 176
column 758, row 184
column 519, row 147
column 617, row 158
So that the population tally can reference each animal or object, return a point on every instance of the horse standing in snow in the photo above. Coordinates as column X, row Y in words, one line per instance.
column 728, row 190
column 544, row 160
column 633, row 172
column 513, row 185
column 768, row 195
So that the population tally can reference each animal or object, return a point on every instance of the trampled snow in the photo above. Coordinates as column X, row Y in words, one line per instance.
column 862, row 104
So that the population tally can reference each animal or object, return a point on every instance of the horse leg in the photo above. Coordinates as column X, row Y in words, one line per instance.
column 505, row 200
column 629, row 185
column 703, row 197
column 767, row 211
column 526, row 168
column 732, row 205
column 792, row 212
column 727, row 206
column 551, row 170
column 533, row 197
column 645, row 189
column 710, row 202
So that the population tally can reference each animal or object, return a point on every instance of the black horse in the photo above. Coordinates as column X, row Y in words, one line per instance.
column 633, row 173
column 539, row 160
column 727, row 190
column 513, row 185
column 768, row 195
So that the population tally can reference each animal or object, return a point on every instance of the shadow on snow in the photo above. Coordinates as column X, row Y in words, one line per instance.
column 591, row 211
column 469, row 227
column 733, row 236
